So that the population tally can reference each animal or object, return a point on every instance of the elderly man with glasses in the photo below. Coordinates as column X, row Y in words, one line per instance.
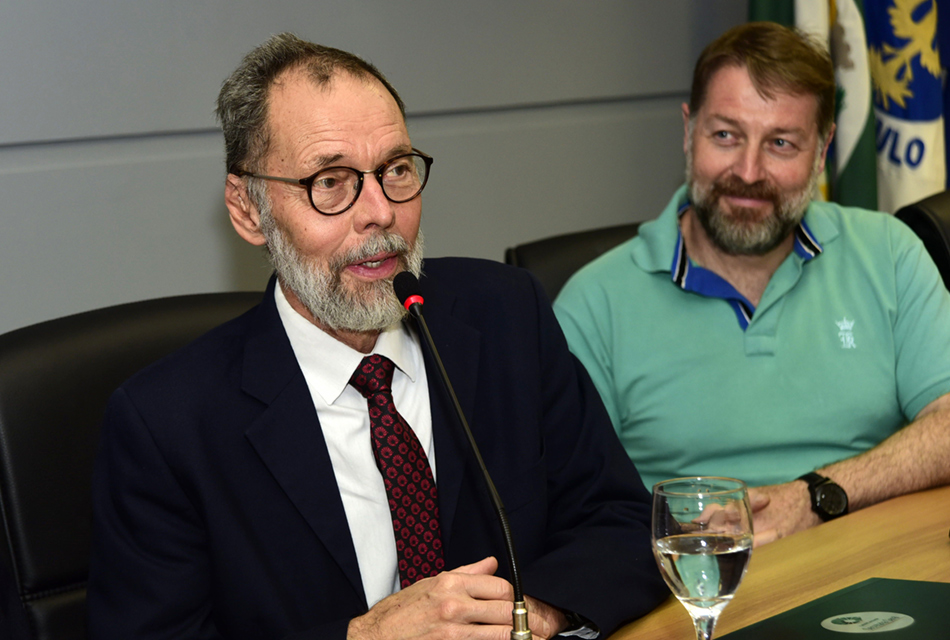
column 261, row 483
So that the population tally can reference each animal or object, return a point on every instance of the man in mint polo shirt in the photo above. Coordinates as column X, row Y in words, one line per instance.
column 751, row 332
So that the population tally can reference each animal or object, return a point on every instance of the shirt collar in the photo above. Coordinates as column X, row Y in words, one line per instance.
column 690, row 277
column 806, row 246
column 650, row 249
column 330, row 362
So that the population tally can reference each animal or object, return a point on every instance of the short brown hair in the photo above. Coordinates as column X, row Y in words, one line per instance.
column 778, row 59
column 242, row 102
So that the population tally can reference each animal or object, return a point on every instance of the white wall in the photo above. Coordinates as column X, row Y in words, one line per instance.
column 543, row 116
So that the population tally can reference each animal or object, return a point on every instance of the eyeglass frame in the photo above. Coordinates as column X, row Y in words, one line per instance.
column 307, row 183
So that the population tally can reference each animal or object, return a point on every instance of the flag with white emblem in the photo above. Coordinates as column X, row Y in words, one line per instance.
column 908, row 100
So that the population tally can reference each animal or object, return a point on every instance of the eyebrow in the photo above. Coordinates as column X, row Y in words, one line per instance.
column 325, row 161
column 399, row 150
column 322, row 162
column 777, row 131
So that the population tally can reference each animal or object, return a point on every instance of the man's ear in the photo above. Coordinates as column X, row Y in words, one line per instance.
column 244, row 215
column 685, row 109
column 824, row 152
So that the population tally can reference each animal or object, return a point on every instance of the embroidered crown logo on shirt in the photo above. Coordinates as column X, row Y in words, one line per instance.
column 845, row 334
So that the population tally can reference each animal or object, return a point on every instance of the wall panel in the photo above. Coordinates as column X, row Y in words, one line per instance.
column 544, row 117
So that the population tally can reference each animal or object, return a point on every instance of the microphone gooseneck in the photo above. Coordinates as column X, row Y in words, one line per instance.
column 406, row 287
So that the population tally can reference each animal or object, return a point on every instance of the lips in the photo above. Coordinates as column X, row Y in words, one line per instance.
column 746, row 200
column 747, row 203
column 377, row 257
column 375, row 261
column 380, row 265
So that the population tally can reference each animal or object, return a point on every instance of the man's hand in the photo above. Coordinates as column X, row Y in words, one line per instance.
column 779, row 510
column 716, row 518
column 544, row 620
column 916, row 457
column 467, row 602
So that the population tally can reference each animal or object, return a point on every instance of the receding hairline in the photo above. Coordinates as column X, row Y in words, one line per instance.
column 242, row 102
column 325, row 83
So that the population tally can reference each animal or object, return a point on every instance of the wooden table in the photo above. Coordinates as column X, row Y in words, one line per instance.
column 905, row 538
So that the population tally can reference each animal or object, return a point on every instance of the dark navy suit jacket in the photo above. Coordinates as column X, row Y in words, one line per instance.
column 216, row 510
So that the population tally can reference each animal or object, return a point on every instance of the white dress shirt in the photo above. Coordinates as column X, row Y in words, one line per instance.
column 327, row 365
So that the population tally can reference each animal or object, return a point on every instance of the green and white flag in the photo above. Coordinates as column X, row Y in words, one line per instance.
column 852, row 175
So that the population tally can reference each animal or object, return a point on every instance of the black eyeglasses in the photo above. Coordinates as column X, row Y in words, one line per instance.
column 335, row 189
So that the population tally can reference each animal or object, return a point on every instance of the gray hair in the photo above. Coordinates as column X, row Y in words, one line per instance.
column 242, row 102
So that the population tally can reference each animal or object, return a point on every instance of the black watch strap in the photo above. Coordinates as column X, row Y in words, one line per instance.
column 813, row 479
column 828, row 499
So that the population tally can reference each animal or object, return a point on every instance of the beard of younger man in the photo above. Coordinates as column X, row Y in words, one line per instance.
column 738, row 232
column 357, row 307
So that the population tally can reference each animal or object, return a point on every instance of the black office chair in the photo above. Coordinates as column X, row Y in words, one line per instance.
column 553, row 260
column 930, row 219
column 55, row 379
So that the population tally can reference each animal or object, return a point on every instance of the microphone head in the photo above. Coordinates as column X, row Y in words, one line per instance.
column 407, row 289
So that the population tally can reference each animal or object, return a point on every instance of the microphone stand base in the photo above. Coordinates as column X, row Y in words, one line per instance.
column 519, row 619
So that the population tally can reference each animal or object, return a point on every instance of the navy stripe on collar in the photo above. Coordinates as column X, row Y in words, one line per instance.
column 680, row 263
column 710, row 284
column 806, row 244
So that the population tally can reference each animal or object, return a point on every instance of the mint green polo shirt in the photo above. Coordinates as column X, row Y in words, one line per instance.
column 849, row 342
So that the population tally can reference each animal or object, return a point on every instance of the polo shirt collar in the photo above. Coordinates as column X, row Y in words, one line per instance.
column 812, row 233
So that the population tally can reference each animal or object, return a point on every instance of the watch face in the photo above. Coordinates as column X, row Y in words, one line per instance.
column 832, row 499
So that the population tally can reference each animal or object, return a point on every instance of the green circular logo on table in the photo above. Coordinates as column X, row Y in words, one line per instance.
column 867, row 622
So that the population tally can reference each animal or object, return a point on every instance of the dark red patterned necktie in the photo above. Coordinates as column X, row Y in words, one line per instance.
column 413, row 498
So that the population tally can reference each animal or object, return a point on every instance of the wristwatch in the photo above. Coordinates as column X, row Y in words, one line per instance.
column 576, row 622
column 828, row 499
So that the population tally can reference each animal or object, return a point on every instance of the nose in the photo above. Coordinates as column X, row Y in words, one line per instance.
column 749, row 165
column 372, row 208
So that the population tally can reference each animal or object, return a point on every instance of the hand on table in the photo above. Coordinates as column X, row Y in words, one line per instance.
column 779, row 510
column 716, row 518
column 469, row 602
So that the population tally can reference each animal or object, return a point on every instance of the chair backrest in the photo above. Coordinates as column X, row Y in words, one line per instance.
column 930, row 219
column 553, row 260
column 55, row 379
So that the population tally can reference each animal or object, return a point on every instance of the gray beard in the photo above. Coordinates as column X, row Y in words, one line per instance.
column 359, row 307
column 737, row 233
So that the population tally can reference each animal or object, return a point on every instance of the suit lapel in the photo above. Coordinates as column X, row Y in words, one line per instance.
column 288, row 438
column 458, row 344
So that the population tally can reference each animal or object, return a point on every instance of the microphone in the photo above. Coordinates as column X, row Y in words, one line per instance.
column 406, row 287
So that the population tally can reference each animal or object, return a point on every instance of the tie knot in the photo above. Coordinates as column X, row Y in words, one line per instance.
column 374, row 375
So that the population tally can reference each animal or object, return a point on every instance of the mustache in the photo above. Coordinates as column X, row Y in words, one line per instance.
column 381, row 242
column 736, row 187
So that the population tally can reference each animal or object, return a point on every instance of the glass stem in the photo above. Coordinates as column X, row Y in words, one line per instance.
column 704, row 626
